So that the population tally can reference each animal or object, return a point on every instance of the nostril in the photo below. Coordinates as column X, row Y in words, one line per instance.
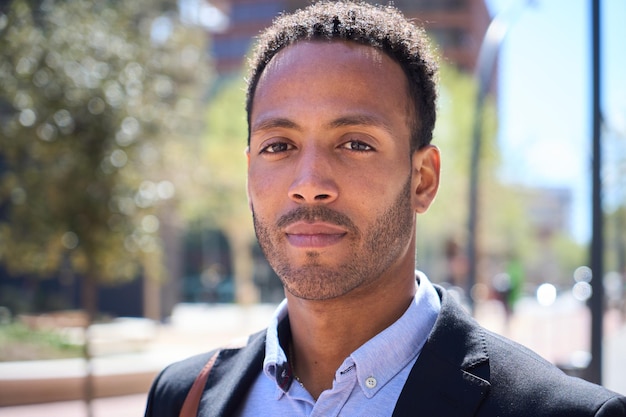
column 318, row 197
column 312, row 188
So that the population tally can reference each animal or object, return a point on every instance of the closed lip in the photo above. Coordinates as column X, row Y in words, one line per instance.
column 316, row 228
column 314, row 235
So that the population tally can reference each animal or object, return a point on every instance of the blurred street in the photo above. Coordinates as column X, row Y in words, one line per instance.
column 559, row 333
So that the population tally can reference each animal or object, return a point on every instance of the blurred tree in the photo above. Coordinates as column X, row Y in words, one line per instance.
column 503, row 227
column 221, row 173
column 616, row 244
column 94, row 100
column 614, row 177
column 568, row 255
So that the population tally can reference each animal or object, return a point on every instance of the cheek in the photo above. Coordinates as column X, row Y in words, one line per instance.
column 262, row 188
column 375, row 181
column 253, row 193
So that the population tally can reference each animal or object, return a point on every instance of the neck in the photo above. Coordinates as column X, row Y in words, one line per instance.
column 326, row 332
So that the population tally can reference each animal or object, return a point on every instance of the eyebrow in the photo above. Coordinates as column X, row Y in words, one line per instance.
column 361, row 120
column 344, row 121
column 273, row 123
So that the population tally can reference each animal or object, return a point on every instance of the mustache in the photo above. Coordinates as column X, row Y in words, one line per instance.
column 318, row 213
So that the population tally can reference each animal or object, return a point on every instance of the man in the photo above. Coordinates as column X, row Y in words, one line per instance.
column 341, row 108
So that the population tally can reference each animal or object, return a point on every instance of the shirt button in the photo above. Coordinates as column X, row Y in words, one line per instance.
column 370, row 382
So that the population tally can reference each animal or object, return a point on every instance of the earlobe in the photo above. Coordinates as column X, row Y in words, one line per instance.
column 425, row 177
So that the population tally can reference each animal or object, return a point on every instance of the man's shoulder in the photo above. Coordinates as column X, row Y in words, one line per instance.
column 514, row 379
column 183, row 373
column 525, row 380
column 171, row 386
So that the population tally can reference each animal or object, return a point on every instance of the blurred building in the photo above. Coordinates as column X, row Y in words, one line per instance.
column 456, row 26
column 548, row 209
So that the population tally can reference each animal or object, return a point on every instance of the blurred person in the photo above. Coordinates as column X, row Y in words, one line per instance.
column 341, row 108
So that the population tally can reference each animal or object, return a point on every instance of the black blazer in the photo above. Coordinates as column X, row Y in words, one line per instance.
column 463, row 370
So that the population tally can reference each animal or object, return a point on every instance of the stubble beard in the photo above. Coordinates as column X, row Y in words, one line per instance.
column 372, row 252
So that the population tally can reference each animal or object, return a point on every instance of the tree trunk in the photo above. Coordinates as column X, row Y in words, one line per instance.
column 151, row 298
column 89, row 296
column 89, row 301
column 246, row 292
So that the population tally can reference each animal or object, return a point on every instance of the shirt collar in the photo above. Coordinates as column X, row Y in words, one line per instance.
column 402, row 342
column 275, row 364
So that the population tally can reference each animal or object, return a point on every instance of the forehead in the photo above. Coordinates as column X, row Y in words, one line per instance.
column 322, row 72
column 344, row 54
column 307, row 56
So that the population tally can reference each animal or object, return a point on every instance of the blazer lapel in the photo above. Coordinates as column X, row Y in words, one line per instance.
column 451, row 375
column 232, row 375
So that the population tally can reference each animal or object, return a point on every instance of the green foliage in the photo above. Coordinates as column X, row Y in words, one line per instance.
column 453, row 134
column 569, row 255
column 615, row 237
column 89, row 101
column 18, row 342
column 506, row 232
column 221, row 162
column 220, row 178
column 503, row 227
column 447, row 217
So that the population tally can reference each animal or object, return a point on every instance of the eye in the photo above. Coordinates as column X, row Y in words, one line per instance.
column 357, row 146
column 276, row 147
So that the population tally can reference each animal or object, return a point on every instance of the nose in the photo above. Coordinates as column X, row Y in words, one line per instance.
column 313, row 181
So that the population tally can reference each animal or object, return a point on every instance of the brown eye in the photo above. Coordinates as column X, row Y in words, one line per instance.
column 276, row 147
column 355, row 145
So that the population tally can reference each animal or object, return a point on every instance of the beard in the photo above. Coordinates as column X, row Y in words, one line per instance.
column 371, row 251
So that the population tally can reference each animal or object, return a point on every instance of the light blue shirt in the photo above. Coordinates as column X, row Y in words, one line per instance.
column 369, row 381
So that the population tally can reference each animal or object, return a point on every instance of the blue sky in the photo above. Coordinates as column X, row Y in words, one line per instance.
column 545, row 97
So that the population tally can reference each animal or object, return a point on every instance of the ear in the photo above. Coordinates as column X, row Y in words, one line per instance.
column 426, row 165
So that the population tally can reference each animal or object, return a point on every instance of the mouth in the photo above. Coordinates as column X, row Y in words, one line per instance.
column 314, row 235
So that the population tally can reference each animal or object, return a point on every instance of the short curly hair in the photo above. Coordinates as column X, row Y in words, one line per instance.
column 382, row 27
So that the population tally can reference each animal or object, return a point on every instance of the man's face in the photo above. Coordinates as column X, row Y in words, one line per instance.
column 330, row 173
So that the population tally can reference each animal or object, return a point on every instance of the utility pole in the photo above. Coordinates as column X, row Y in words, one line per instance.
column 594, row 371
column 485, row 66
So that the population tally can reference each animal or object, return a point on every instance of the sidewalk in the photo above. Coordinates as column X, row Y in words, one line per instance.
column 193, row 329
column 123, row 406
column 554, row 333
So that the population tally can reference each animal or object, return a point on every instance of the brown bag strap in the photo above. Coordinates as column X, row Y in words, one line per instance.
column 192, row 401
